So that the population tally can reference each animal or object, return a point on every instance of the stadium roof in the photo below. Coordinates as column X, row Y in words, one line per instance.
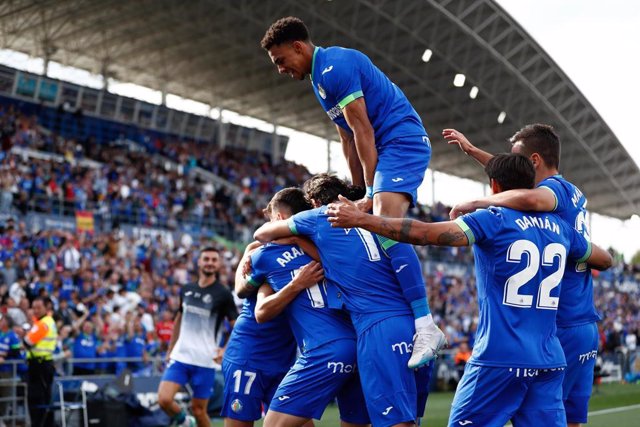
column 209, row 51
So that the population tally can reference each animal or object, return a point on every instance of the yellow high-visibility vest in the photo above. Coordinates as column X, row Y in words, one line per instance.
column 43, row 335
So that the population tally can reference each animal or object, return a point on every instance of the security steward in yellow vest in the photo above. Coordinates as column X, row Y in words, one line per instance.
column 40, row 343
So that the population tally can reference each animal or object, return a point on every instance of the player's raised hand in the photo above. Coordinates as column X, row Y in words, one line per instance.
column 461, row 209
column 309, row 275
column 455, row 137
column 344, row 214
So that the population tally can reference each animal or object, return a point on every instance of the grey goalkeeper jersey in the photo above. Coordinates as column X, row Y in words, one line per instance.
column 203, row 311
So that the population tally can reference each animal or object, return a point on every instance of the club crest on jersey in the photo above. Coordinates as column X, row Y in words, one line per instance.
column 236, row 406
column 321, row 91
column 207, row 299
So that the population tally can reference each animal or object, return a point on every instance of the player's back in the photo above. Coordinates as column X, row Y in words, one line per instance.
column 519, row 260
column 576, row 306
column 267, row 344
column 312, row 321
column 356, row 266
column 340, row 72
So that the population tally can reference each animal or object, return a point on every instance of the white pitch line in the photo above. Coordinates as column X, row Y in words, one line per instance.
column 607, row 411
column 613, row 410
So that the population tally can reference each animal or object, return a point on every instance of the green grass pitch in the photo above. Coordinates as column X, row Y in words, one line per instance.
column 602, row 408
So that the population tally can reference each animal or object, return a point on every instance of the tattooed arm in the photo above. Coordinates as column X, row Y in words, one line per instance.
column 346, row 214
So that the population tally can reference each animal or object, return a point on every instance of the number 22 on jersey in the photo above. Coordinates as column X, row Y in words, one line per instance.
column 544, row 300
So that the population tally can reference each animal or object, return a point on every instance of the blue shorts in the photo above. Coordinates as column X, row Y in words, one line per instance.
column 488, row 396
column 201, row 379
column 247, row 391
column 580, row 345
column 388, row 385
column 423, row 378
column 318, row 376
column 402, row 163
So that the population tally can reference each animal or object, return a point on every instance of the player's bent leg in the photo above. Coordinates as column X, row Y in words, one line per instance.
column 279, row 419
column 175, row 376
column 199, row 410
column 166, row 393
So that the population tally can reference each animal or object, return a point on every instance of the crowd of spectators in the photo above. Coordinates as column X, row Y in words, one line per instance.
column 115, row 294
column 122, row 184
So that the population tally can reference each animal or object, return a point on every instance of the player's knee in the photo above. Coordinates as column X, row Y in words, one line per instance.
column 199, row 409
column 165, row 400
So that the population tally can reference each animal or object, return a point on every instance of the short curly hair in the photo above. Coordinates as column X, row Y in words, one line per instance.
column 324, row 188
column 285, row 30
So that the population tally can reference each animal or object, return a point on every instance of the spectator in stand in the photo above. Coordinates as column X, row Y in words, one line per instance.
column 85, row 346
column 136, row 343
column 10, row 350
column 461, row 357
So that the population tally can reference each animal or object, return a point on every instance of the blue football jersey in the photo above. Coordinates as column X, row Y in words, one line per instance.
column 268, row 346
column 519, row 261
column 576, row 307
column 340, row 75
column 358, row 273
column 312, row 321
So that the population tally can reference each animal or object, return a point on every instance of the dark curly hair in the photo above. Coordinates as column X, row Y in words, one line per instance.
column 285, row 30
column 324, row 188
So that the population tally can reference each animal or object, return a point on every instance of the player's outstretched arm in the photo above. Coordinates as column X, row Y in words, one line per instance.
column 599, row 258
column 347, row 215
column 273, row 230
column 242, row 287
column 537, row 199
column 455, row 137
column 269, row 303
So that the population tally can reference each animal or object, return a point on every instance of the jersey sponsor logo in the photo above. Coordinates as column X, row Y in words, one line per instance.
column 525, row 372
column 196, row 310
column 207, row 299
column 236, row 406
column 528, row 221
column 326, row 70
column 401, row 268
column 402, row 347
column 586, row 356
column 321, row 92
column 283, row 398
column 340, row 367
column 398, row 179
column 287, row 256
column 386, row 411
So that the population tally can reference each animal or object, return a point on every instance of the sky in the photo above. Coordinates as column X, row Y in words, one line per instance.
column 594, row 42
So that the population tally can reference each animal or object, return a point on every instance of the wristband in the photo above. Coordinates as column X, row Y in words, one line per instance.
column 369, row 193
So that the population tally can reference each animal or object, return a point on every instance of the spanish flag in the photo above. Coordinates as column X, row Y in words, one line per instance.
column 84, row 221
